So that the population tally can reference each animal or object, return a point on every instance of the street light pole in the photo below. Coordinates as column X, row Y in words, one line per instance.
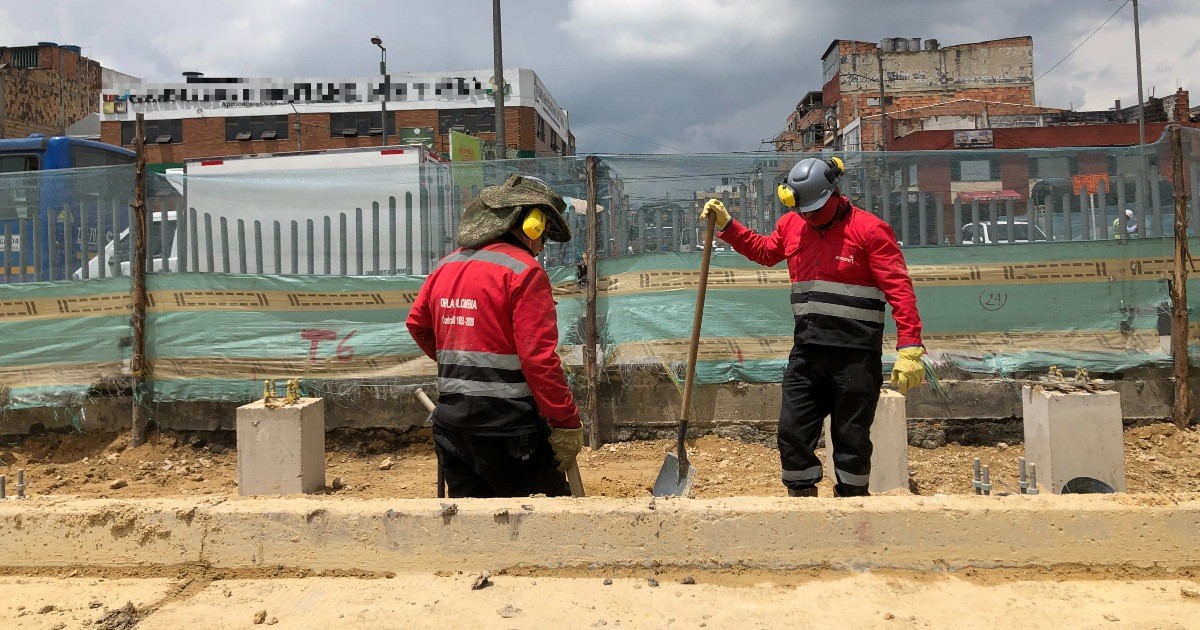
column 386, row 86
column 1137, row 49
column 498, row 92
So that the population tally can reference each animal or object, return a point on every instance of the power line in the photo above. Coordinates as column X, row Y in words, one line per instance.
column 1085, row 40
column 596, row 124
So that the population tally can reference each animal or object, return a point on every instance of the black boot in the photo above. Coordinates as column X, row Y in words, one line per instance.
column 805, row 492
column 840, row 490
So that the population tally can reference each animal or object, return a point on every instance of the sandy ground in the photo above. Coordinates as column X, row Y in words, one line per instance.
column 369, row 464
column 884, row 600
column 383, row 463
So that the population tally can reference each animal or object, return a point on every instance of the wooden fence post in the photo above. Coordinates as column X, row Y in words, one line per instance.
column 137, row 367
column 1181, row 411
column 590, row 332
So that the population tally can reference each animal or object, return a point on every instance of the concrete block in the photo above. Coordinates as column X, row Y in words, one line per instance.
column 1069, row 435
column 281, row 450
column 889, row 440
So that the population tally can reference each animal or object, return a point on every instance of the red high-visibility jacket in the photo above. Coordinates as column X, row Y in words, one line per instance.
column 841, row 278
column 487, row 317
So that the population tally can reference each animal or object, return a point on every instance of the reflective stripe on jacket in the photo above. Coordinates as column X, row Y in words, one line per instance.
column 487, row 317
column 842, row 278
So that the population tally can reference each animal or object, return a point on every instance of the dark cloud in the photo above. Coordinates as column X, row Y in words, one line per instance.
column 695, row 75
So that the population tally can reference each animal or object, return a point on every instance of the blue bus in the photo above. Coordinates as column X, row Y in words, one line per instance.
column 56, row 207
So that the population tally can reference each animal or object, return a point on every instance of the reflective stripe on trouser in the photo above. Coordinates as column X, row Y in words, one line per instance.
column 809, row 476
column 842, row 383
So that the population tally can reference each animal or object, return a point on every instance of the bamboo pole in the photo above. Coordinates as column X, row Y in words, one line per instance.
column 1181, row 411
column 590, row 333
column 137, row 366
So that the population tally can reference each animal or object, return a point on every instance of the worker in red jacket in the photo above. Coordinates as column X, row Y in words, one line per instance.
column 505, row 423
column 844, row 265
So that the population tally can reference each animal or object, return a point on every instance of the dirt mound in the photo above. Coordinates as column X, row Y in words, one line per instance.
column 383, row 463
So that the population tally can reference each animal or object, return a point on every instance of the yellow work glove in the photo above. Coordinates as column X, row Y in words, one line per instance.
column 718, row 209
column 909, row 370
column 566, row 444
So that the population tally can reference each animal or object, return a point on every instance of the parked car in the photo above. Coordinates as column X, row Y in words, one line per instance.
column 997, row 232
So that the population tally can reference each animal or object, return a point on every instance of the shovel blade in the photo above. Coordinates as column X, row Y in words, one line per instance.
column 669, row 483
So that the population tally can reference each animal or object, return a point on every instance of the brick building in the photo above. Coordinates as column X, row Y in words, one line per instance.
column 211, row 117
column 975, row 167
column 915, row 75
column 45, row 89
column 805, row 129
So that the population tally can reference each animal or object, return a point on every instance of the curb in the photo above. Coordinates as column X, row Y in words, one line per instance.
column 885, row 532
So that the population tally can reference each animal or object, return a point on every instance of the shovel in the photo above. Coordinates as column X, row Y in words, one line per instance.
column 677, row 473
column 441, row 477
column 573, row 477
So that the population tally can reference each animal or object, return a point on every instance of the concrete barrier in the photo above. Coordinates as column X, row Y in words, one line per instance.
column 328, row 533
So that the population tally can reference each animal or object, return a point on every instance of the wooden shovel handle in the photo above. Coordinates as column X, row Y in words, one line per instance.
column 694, row 344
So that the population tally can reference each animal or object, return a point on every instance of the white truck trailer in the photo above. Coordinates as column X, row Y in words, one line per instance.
column 361, row 211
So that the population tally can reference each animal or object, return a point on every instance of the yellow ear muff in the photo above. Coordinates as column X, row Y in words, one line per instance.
column 786, row 195
column 838, row 164
column 535, row 224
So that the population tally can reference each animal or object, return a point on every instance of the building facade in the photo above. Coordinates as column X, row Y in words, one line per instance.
column 805, row 130
column 863, row 82
column 45, row 89
column 212, row 117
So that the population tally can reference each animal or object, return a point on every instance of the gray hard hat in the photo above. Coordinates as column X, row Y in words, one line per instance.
column 810, row 183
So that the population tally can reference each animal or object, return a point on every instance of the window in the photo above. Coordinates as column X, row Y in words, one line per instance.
column 974, row 170
column 904, row 176
column 90, row 156
column 541, row 127
column 471, row 121
column 873, row 101
column 160, row 131
column 18, row 163
column 1051, row 167
column 26, row 57
column 349, row 124
column 554, row 141
column 256, row 128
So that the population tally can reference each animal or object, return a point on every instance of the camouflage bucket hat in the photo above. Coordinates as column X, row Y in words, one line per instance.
column 498, row 208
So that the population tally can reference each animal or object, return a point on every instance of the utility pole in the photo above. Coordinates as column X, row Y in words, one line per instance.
column 882, row 105
column 498, row 92
column 1137, row 49
column 1143, row 169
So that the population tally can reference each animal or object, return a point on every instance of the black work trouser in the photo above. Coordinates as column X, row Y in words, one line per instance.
column 494, row 466
column 844, row 384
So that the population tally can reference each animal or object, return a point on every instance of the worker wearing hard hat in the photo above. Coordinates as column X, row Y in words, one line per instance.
column 505, row 424
column 845, row 265
column 1131, row 228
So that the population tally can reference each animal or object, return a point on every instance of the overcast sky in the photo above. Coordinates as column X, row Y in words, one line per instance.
column 637, row 76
